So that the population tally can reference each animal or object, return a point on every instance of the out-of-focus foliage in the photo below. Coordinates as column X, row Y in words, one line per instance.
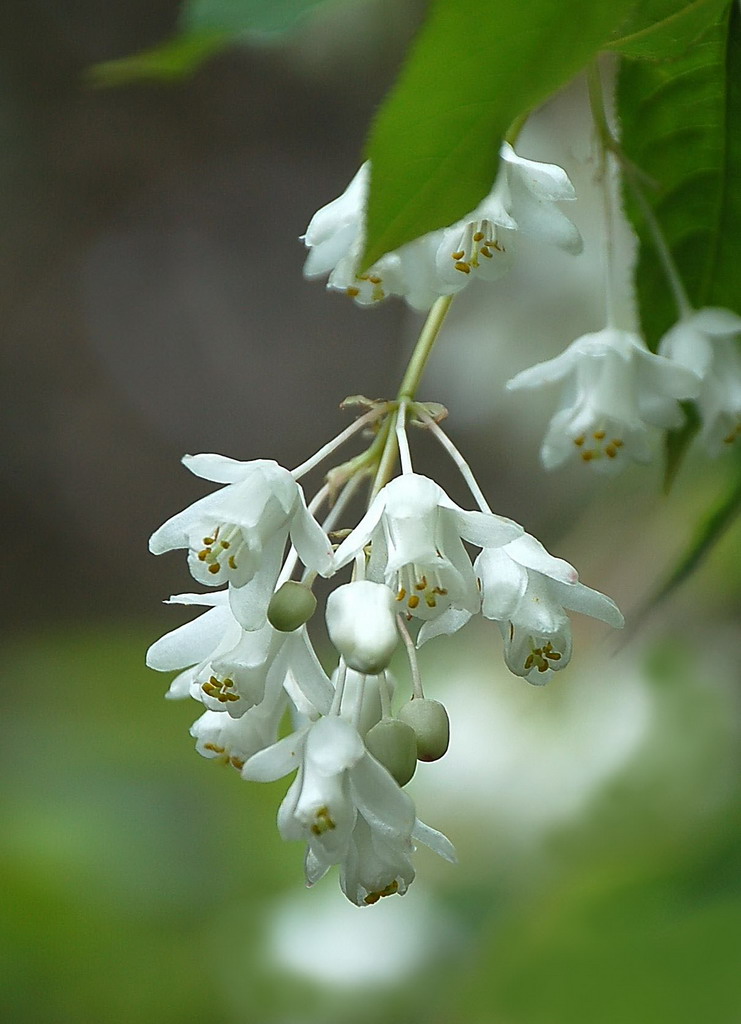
column 709, row 531
column 144, row 883
column 205, row 27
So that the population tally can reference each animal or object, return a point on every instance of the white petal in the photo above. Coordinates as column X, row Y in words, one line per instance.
column 449, row 622
column 218, row 468
column 360, row 536
column 586, row 601
column 249, row 603
column 181, row 685
column 547, row 181
column 528, row 551
column 548, row 372
column 278, row 760
column 190, row 643
column 333, row 746
column 486, row 530
column 300, row 663
column 661, row 376
column 435, row 840
column 310, row 540
column 379, row 799
column 716, row 321
column 503, row 583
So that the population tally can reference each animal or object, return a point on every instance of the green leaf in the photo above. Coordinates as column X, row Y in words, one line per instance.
column 681, row 125
column 245, row 17
column 666, row 28
column 206, row 27
column 473, row 70
column 171, row 61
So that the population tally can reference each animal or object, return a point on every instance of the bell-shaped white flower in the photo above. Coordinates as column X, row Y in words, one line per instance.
column 238, row 535
column 375, row 865
column 706, row 342
column 229, row 668
column 442, row 262
column 522, row 201
column 615, row 391
column 337, row 779
column 527, row 592
column 416, row 535
column 234, row 740
column 361, row 621
column 378, row 864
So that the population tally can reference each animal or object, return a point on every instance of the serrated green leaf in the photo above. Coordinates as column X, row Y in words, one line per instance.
column 660, row 29
column 681, row 125
column 173, row 60
column 473, row 70
column 245, row 17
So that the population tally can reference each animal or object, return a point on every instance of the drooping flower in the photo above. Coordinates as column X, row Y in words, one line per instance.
column 706, row 342
column 442, row 262
column 238, row 535
column 229, row 668
column 416, row 534
column 336, row 778
column 615, row 391
column 234, row 740
column 347, row 808
column 527, row 592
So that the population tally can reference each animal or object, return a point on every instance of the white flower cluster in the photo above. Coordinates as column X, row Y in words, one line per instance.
column 481, row 244
column 617, row 396
column 249, row 661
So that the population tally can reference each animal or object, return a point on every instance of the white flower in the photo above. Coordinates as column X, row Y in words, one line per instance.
column 234, row 740
column 347, row 808
column 375, row 865
column 416, row 535
column 229, row 668
column 378, row 864
column 522, row 201
column 361, row 621
column 615, row 391
column 337, row 779
column 444, row 261
column 527, row 591
column 238, row 534
column 706, row 342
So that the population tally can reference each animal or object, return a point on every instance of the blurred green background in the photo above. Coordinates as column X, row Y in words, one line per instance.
column 153, row 304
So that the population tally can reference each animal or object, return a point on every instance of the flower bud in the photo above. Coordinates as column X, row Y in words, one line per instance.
column 361, row 619
column 291, row 606
column 394, row 744
column 429, row 720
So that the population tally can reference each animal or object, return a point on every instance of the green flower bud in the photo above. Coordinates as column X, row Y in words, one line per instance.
column 394, row 744
column 291, row 606
column 429, row 720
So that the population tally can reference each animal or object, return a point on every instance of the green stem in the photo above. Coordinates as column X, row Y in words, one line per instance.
column 633, row 175
column 423, row 348
column 408, row 388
